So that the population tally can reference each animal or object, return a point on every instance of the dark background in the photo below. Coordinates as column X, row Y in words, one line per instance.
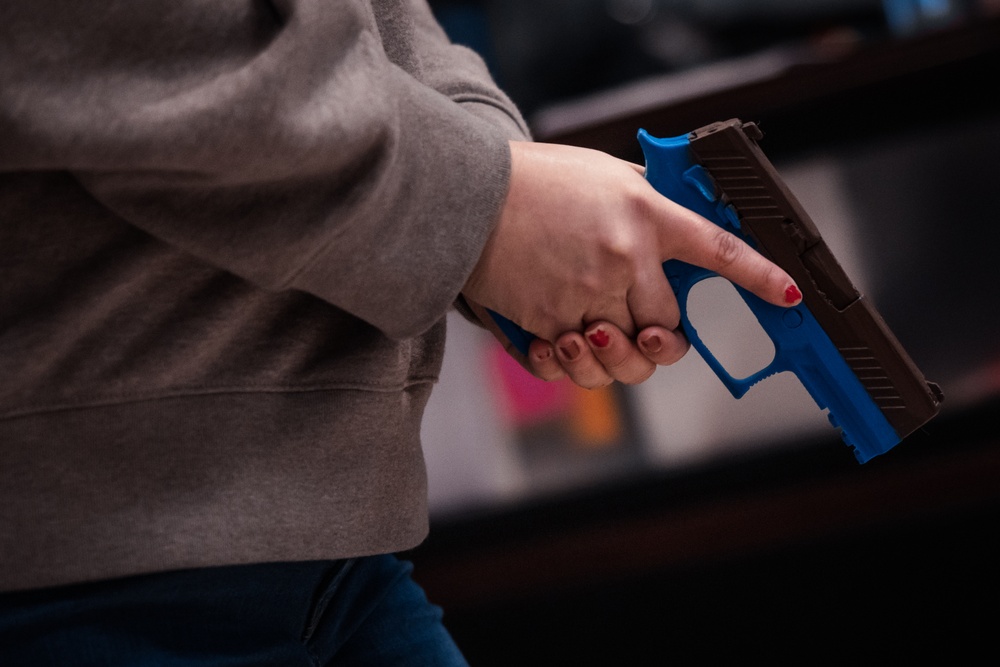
column 793, row 552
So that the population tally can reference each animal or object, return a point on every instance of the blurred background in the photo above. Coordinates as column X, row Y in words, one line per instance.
column 634, row 525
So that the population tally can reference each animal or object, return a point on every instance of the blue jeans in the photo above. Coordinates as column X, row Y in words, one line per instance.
column 365, row 611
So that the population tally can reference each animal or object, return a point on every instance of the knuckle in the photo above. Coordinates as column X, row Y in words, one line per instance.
column 728, row 248
column 638, row 201
column 591, row 286
column 617, row 257
column 673, row 350
column 627, row 368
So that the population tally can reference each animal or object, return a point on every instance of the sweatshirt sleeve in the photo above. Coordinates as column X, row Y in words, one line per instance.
column 455, row 71
column 304, row 144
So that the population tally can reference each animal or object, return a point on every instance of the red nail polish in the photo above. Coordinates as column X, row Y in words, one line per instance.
column 652, row 344
column 792, row 294
column 570, row 351
column 599, row 338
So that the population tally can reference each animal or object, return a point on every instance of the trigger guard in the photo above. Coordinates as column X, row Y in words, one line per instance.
column 683, row 282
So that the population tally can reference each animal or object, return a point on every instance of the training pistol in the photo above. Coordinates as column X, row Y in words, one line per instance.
column 835, row 341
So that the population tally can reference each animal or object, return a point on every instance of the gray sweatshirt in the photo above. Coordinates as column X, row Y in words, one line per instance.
column 229, row 234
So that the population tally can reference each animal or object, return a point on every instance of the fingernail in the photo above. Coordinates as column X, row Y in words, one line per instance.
column 570, row 351
column 652, row 343
column 599, row 338
column 792, row 294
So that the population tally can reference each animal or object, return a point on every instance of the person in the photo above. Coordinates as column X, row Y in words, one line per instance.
column 230, row 233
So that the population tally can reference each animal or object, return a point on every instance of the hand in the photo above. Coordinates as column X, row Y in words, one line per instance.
column 603, row 354
column 600, row 355
column 582, row 238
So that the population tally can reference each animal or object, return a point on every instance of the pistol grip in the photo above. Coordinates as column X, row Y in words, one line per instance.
column 520, row 338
